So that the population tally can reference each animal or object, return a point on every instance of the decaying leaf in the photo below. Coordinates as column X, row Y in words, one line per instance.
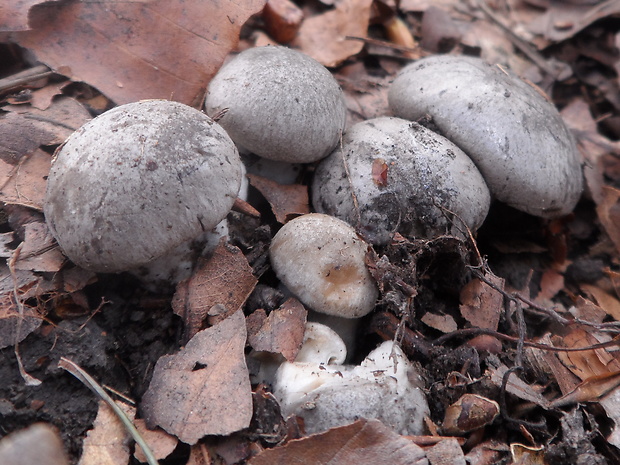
column 14, row 14
column 205, row 387
column 606, row 301
column 39, row 251
column 590, row 390
column 286, row 201
column 446, row 451
column 482, row 305
column 24, row 183
column 225, row 280
column 16, row 325
column 362, row 442
column 108, row 442
column 324, row 36
column 138, row 50
column 443, row 323
column 586, row 363
column 161, row 443
column 43, row 127
column 281, row 332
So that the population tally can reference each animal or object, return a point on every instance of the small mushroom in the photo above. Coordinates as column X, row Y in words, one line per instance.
column 320, row 259
column 279, row 104
column 392, row 175
column 138, row 181
column 327, row 394
column 515, row 136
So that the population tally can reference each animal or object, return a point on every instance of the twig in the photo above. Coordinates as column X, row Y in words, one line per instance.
column 24, row 77
column 505, row 337
column 88, row 381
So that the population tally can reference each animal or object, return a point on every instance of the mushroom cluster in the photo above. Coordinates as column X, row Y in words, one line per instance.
column 392, row 175
column 146, row 184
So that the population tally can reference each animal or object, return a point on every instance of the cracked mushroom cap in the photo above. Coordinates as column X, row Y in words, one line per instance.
column 516, row 137
column 321, row 260
column 138, row 181
column 327, row 394
column 391, row 175
column 282, row 104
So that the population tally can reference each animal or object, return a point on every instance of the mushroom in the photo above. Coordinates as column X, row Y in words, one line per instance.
column 279, row 104
column 326, row 394
column 320, row 259
column 516, row 137
column 392, row 175
column 138, row 181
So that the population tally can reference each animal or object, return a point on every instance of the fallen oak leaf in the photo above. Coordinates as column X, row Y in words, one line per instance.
column 224, row 280
column 204, row 389
column 138, row 50
column 286, row 201
column 589, row 390
column 281, row 332
column 362, row 442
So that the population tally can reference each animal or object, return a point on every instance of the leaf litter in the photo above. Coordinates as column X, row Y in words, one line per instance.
column 553, row 287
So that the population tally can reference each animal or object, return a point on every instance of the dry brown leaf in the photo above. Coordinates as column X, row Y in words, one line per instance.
column 38, row 444
column 443, row 323
column 550, row 365
column 585, row 363
column 286, row 201
column 10, row 321
column 282, row 19
column 138, row 50
column 482, row 305
column 611, row 404
column 590, row 390
column 14, row 14
column 281, row 332
column 360, row 443
column 205, row 387
column 516, row 386
column 51, row 126
column 161, row 443
column 606, row 301
column 447, row 451
column 551, row 283
column 366, row 96
column 592, row 145
column 39, row 251
column 24, row 184
column 609, row 213
column 108, row 442
column 323, row 36
column 225, row 279
column 563, row 20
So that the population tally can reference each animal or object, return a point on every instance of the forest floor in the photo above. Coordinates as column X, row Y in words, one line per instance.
column 525, row 315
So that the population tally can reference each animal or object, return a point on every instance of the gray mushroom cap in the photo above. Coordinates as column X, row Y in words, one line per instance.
column 321, row 260
column 138, row 181
column 394, row 175
column 282, row 104
column 515, row 136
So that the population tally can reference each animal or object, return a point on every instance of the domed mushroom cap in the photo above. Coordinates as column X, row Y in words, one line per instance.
column 282, row 104
column 516, row 138
column 400, row 176
column 138, row 181
column 320, row 259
